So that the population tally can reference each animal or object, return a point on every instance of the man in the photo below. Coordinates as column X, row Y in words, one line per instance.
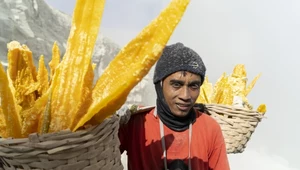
column 174, row 135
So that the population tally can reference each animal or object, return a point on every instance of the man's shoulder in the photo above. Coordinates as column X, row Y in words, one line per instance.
column 140, row 121
column 142, row 112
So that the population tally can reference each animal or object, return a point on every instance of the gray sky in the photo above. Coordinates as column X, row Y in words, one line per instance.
column 262, row 34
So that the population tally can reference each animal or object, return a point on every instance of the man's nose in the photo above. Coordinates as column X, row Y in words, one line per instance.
column 185, row 93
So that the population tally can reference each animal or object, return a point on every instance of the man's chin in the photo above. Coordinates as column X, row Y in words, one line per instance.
column 180, row 114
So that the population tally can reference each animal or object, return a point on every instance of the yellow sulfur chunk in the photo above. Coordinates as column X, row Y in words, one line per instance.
column 238, row 80
column 9, row 107
column 2, row 124
column 94, row 66
column 15, row 60
column 218, row 88
column 229, row 87
column 55, row 59
column 45, row 116
column 42, row 77
column 251, row 85
column 226, row 94
column 11, row 86
column 206, row 91
column 239, row 71
column 132, row 63
column 262, row 109
column 27, row 56
column 73, row 78
column 19, row 58
column 32, row 115
column 42, row 84
column 25, row 95
column 202, row 98
column 233, row 90
column 22, row 73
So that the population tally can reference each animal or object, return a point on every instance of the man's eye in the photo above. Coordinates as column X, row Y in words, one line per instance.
column 176, row 85
column 195, row 86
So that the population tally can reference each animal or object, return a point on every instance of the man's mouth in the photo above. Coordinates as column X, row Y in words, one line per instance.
column 183, row 107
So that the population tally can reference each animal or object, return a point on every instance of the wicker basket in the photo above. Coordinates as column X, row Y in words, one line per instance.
column 237, row 124
column 94, row 148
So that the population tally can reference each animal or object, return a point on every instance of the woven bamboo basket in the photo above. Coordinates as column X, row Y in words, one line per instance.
column 95, row 148
column 237, row 124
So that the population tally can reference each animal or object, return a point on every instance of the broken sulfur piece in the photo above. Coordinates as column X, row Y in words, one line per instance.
column 132, row 63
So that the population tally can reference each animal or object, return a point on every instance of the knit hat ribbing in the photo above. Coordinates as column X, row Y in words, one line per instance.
column 177, row 57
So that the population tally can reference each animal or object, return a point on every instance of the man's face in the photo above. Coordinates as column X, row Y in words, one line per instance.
column 181, row 90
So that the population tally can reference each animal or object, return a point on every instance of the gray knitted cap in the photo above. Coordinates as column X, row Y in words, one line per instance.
column 177, row 57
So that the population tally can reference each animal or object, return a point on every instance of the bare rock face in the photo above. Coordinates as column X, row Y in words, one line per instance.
column 36, row 24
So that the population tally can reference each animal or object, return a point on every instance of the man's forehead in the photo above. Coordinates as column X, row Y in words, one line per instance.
column 183, row 75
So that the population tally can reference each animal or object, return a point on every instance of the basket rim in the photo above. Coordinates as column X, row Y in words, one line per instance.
column 64, row 132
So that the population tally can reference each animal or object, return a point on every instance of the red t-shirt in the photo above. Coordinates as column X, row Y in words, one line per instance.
column 140, row 137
